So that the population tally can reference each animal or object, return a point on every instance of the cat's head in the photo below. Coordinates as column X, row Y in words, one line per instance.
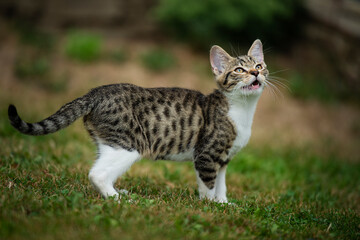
column 242, row 75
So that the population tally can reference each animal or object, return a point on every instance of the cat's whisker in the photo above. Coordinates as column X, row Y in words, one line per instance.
column 271, row 90
column 238, row 50
column 272, row 85
column 280, row 79
column 279, row 83
column 279, row 71
column 268, row 50
column 274, row 94
column 233, row 51
column 274, row 89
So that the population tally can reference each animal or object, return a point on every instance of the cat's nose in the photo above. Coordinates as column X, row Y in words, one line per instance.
column 254, row 72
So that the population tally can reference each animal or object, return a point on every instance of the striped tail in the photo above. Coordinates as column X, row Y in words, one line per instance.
column 66, row 115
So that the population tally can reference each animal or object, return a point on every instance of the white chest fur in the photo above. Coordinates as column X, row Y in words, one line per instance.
column 241, row 113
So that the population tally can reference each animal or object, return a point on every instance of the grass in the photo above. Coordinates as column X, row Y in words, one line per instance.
column 288, row 193
column 45, row 194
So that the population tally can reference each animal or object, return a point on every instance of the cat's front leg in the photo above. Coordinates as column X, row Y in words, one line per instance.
column 206, row 173
column 218, row 192
column 220, row 186
column 210, row 175
column 205, row 192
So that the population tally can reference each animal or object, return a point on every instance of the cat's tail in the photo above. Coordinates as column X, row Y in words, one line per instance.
column 66, row 115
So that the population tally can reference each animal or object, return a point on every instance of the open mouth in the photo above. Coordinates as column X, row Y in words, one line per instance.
column 253, row 86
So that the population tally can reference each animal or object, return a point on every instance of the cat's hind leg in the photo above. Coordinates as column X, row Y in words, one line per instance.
column 110, row 165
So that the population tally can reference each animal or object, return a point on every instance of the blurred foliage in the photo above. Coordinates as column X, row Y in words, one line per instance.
column 32, row 36
column 37, row 70
column 241, row 21
column 318, row 87
column 158, row 59
column 307, row 89
column 82, row 46
column 57, row 84
column 319, row 79
column 33, row 54
column 36, row 67
column 119, row 55
column 33, row 64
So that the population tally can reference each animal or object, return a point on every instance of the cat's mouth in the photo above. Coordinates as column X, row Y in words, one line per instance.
column 253, row 86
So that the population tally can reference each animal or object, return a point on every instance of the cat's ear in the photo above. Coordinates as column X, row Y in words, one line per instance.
column 256, row 51
column 219, row 58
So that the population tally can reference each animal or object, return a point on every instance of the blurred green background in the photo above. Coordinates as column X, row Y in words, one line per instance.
column 299, row 176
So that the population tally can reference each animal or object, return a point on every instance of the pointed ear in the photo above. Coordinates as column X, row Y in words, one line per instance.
column 219, row 58
column 256, row 51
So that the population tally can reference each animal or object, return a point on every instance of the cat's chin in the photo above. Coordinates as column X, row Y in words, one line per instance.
column 256, row 84
column 255, row 87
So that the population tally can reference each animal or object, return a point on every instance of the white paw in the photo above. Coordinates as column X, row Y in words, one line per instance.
column 229, row 204
column 128, row 200
column 232, row 204
column 123, row 191
column 221, row 200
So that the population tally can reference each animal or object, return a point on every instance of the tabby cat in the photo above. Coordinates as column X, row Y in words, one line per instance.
column 128, row 122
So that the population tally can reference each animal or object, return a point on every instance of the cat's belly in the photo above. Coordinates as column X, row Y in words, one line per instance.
column 181, row 157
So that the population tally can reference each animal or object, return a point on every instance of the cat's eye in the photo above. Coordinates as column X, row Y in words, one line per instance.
column 239, row 70
column 258, row 67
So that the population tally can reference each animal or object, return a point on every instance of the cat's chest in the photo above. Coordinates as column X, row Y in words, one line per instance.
column 242, row 118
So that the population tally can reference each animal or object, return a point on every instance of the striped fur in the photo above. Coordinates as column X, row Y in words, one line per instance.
column 166, row 123
column 61, row 119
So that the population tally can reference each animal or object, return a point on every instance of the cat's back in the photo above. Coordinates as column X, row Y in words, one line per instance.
column 155, row 121
column 136, row 94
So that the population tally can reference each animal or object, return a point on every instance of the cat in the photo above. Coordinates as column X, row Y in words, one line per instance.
column 128, row 122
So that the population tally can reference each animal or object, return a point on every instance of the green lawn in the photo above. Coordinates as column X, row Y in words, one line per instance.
column 287, row 193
